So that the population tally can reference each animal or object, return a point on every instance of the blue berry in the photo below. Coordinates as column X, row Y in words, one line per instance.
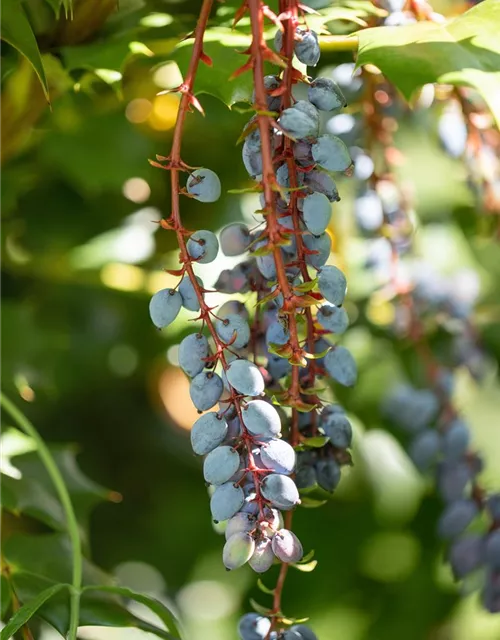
column 278, row 456
column 287, row 547
column 189, row 298
column 205, row 390
column 204, row 185
column 332, row 318
column 253, row 626
column 280, row 490
column 316, row 211
column 456, row 518
column 192, row 351
column 164, row 307
column 331, row 153
column 325, row 94
column 245, row 377
column 226, row 500
column 203, row 246
column 332, row 284
column 238, row 550
column 341, row 366
column 220, row 464
column 208, row 432
column 233, row 327
column 235, row 239
column 261, row 419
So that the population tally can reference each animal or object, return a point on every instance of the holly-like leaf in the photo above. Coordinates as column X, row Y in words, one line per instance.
column 17, row 31
column 355, row 12
column 85, row 494
column 28, row 496
column 223, row 46
column 464, row 51
column 99, row 609
column 154, row 605
column 50, row 556
column 28, row 610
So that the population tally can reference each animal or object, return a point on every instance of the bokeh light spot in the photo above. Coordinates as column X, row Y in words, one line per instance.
column 390, row 557
column 173, row 387
column 207, row 600
column 138, row 110
column 123, row 360
column 123, row 277
column 136, row 190
column 164, row 112
column 168, row 76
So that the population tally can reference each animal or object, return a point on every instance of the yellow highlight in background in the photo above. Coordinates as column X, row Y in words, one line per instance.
column 164, row 113
column 124, row 277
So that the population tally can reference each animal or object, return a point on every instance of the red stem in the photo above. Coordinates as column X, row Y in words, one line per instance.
column 176, row 223
column 288, row 49
column 269, row 181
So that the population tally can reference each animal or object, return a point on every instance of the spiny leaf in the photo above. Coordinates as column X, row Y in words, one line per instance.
column 28, row 610
column 464, row 51
column 154, row 605
column 221, row 45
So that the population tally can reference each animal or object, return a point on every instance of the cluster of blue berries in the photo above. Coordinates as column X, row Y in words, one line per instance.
column 240, row 372
column 440, row 444
column 439, row 441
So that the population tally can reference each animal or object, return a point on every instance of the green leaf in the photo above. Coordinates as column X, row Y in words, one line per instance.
column 97, row 607
column 306, row 286
column 154, row 605
column 223, row 46
column 85, row 493
column 28, row 610
column 31, row 498
column 315, row 442
column 5, row 596
column 264, row 589
column 259, row 608
column 311, row 503
column 48, row 555
column 306, row 567
column 16, row 30
column 465, row 51
column 317, row 356
column 309, row 556
column 356, row 11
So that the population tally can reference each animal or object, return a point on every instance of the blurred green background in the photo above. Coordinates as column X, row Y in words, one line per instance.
column 81, row 255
